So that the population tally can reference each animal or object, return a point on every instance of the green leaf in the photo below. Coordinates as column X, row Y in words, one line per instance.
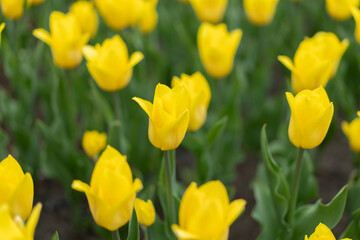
column 56, row 236
column 353, row 230
column 216, row 131
column 134, row 232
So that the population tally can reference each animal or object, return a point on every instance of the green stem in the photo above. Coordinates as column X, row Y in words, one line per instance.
column 115, row 235
column 146, row 233
column 295, row 187
column 118, row 118
column 169, row 187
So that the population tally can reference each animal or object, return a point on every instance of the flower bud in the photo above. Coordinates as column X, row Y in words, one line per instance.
column 341, row 9
column 260, row 12
column 352, row 132
column 209, row 11
column 145, row 212
column 87, row 17
column 93, row 142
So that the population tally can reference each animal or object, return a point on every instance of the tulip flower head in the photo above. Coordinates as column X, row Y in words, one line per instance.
column 16, row 188
column 109, row 64
column 15, row 229
column 66, row 39
column 200, row 95
column 86, row 15
column 12, row 9
column 149, row 16
column 168, row 116
column 311, row 115
column 341, row 9
column 35, row 2
column 212, row 11
column 145, row 212
column 112, row 191
column 322, row 232
column 316, row 61
column 356, row 15
column 352, row 132
column 217, row 48
column 260, row 12
column 93, row 142
column 206, row 212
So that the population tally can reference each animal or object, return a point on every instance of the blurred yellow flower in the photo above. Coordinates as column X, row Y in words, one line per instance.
column 316, row 61
column 206, row 212
column 322, row 232
column 149, row 16
column 168, row 116
column 260, row 12
column 217, row 48
column 85, row 13
column 311, row 115
column 12, row 9
column 200, row 95
column 212, row 11
column 93, row 142
column 16, row 188
column 341, row 9
column 352, row 132
column 66, row 39
column 15, row 229
column 112, row 191
column 145, row 212
column 2, row 26
column 35, row 2
column 109, row 64
column 356, row 15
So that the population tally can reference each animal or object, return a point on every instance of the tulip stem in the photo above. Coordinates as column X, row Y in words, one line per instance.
column 295, row 186
column 169, row 188
column 118, row 118
column 115, row 235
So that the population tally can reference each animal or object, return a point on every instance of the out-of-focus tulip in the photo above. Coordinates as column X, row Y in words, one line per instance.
column 66, row 39
column 311, row 115
column 316, row 61
column 206, row 212
column 2, row 26
column 322, row 232
column 356, row 15
column 217, row 48
column 352, row 132
column 168, row 116
column 86, row 15
column 16, row 188
column 112, row 191
column 145, row 212
column 209, row 11
column 341, row 9
column 149, row 16
column 260, row 12
column 200, row 95
column 14, row 228
column 35, row 2
column 12, row 9
column 109, row 64
column 93, row 142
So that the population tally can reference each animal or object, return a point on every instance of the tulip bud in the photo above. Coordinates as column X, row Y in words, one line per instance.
column 168, row 116
column 217, row 48
column 200, row 95
column 86, row 15
column 112, row 191
column 311, row 115
column 322, row 232
column 206, row 212
column 352, row 132
column 35, row 2
column 209, row 11
column 109, row 64
column 93, row 142
column 145, row 212
column 12, row 9
column 149, row 17
column 341, row 9
column 260, row 12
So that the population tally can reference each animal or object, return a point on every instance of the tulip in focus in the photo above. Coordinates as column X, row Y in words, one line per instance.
column 206, row 212
column 356, row 15
column 14, row 228
column 260, row 12
column 168, row 116
column 149, row 17
column 65, row 39
column 112, row 191
column 311, row 115
column 352, row 132
column 12, row 9
column 109, row 64
column 86, row 15
column 145, row 212
column 16, row 188
column 200, row 95
column 217, row 48
column 212, row 11
column 93, row 142
column 322, row 232
column 35, row 2
column 316, row 61
column 341, row 9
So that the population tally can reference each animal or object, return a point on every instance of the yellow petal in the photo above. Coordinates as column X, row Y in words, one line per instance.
column 33, row 221
column 145, row 105
column 89, row 52
column 235, row 209
column 145, row 212
column 287, row 62
column 135, row 58
column 183, row 234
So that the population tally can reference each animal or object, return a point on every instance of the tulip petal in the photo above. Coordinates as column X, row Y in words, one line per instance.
column 188, row 203
column 11, row 165
column 135, row 58
column 43, row 35
column 33, row 221
column 235, row 209
column 287, row 62
column 7, row 225
column 145, row 105
column 358, row 113
column 345, row 126
column 161, row 90
column 89, row 52
column 216, row 189
column 80, row 186
column 182, row 234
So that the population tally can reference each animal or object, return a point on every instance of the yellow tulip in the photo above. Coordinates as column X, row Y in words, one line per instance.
column 352, row 132
column 200, row 95
column 66, row 39
column 316, row 61
column 12, row 9
column 356, row 15
column 322, row 232
column 145, row 212
column 35, row 2
column 311, row 114
column 260, row 12
column 209, row 11
column 341, row 9
column 206, row 212
column 16, row 188
column 2, row 26
column 86, row 15
column 109, row 64
column 168, row 116
column 112, row 191
column 217, row 48
column 149, row 17
column 93, row 142
column 15, row 229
